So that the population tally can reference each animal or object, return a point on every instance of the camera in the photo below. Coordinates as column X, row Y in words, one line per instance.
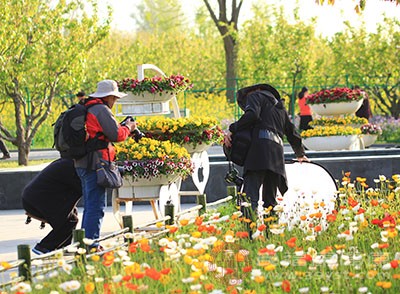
column 137, row 134
column 232, row 177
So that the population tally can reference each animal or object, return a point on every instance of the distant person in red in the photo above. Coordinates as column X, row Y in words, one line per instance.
column 305, row 110
column 365, row 109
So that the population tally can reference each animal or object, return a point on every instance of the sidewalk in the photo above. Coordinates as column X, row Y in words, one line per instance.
column 14, row 231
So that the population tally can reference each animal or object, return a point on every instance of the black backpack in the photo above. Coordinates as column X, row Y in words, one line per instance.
column 70, row 133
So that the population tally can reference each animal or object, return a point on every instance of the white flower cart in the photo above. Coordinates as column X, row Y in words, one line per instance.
column 158, row 191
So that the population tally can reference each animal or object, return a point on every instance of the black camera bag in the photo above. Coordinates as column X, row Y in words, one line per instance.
column 241, row 141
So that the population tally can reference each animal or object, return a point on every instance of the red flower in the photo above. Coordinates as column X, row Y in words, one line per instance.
column 242, row 235
column 394, row 263
column 131, row 286
column 262, row 227
column 247, row 269
column 153, row 274
column 186, row 139
column 138, row 275
column 285, row 286
column 291, row 242
column 165, row 271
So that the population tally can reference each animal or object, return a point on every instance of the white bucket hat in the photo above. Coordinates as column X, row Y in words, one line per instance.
column 106, row 88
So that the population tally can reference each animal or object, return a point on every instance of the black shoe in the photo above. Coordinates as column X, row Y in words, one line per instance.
column 39, row 250
column 6, row 156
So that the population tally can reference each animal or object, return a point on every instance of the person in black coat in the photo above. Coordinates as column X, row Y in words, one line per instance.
column 265, row 113
column 52, row 196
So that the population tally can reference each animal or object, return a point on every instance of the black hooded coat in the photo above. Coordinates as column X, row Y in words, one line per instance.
column 264, row 110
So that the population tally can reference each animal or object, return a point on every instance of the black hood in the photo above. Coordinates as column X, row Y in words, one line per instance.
column 242, row 93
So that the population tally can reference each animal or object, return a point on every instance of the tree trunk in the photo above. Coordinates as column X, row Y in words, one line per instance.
column 230, row 60
column 23, row 152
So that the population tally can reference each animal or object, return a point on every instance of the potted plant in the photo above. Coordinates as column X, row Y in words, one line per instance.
column 336, row 101
column 330, row 137
column 196, row 134
column 370, row 133
column 148, row 164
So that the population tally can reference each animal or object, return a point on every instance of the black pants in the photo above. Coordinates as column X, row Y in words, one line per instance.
column 3, row 148
column 304, row 122
column 63, row 221
column 252, row 183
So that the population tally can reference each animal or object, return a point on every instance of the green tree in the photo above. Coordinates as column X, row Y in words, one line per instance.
column 43, row 48
column 370, row 60
column 159, row 16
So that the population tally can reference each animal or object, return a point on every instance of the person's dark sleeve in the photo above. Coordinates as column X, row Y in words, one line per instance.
column 293, row 137
column 250, row 116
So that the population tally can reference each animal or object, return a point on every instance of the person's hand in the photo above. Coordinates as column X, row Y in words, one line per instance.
column 303, row 159
column 131, row 124
column 228, row 139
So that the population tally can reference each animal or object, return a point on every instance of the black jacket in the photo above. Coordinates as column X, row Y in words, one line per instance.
column 55, row 190
column 264, row 111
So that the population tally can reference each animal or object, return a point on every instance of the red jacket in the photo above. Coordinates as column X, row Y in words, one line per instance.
column 100, row 119
column 304, row 108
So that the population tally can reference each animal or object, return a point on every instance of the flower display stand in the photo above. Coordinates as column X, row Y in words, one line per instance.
column 159, row 191
column 145, row 105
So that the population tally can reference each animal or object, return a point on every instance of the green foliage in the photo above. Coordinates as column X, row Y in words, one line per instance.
column 43, row 46
column 160, row 16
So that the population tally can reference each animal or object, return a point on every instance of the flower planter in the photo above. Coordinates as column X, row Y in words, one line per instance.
column 329, row 143
column 197, row 148
column 144, row 188
column 145, row 98
column 335, row 109
column 369, row 139
column 145, row 104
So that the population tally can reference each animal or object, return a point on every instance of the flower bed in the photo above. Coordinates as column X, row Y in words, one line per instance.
column 155, row 85
column 335, row 95
column 151, row 158
column 212, row 253
column 183, row 131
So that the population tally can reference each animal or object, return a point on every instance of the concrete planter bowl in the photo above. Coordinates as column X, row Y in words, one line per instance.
column 330, row 143
column 336, row 109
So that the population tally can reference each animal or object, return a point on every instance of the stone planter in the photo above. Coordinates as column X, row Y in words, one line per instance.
column 330, row 143
column 144, row 188
column 335, row 109
column 369, row 139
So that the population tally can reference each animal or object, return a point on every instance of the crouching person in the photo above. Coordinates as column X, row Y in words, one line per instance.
column 52, row 196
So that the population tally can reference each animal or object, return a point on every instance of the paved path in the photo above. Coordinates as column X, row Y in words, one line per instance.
column 14, row 231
